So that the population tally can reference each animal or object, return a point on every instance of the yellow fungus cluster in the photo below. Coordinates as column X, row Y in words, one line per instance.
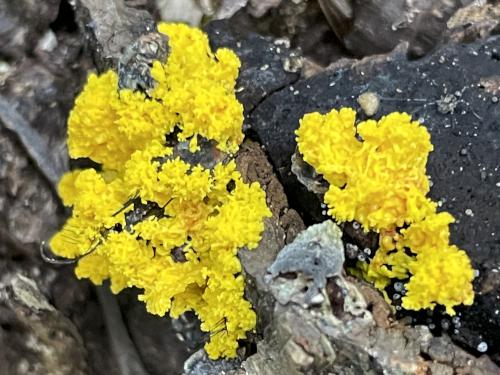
column 151, row 220
column 377, row 176
column 194, row 92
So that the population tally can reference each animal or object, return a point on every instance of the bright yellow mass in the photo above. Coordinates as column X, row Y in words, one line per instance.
column 377, row 176
column 153, row 221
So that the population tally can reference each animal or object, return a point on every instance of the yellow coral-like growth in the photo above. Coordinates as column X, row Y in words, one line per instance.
column 377, row 176
column 393, row 154
column 194, row 91
column 152, row 220
column 442, row 273
column 200, row 88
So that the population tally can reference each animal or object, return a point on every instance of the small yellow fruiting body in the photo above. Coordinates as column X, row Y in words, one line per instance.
column 380, row 181
column 184, row 255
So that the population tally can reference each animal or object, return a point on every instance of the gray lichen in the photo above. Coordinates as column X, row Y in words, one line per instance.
column 316, row 254
column 26, row 292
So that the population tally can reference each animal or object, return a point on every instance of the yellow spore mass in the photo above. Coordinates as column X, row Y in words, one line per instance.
column 154, row 221
column 377, row 176
column 194, row 92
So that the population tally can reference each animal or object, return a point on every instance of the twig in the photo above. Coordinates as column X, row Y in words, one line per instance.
column 123, row 348
column 34, row 144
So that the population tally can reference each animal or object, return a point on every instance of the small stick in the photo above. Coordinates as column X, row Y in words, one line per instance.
column 124, row 350
column 33, row 143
